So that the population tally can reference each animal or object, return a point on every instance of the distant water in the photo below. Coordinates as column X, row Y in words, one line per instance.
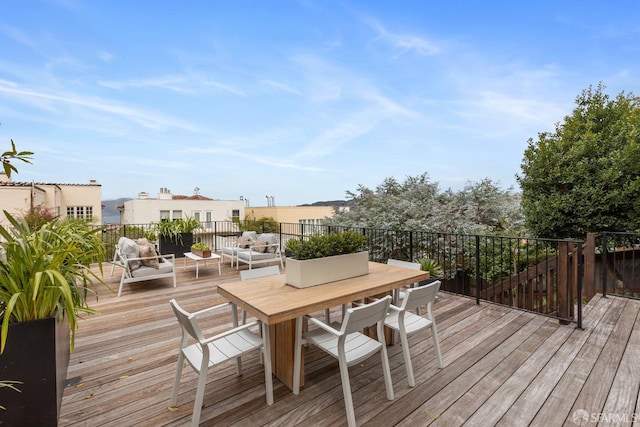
column 111, row 219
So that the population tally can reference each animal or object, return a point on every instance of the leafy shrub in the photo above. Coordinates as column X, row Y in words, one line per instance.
column 325, row 245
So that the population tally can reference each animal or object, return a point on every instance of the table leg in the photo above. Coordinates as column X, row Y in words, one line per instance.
column 267, row 363
column 219, row 267
column 283, row 337
column 197, row 268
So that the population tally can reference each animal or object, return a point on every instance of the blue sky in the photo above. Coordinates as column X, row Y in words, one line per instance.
column 300, row 100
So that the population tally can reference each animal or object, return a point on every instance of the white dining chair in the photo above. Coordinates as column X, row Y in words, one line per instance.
column 346, row 343
column 402, row 320
column 399, row 295
column 208, row 352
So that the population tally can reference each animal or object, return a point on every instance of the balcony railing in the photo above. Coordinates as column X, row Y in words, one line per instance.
column 539, row 275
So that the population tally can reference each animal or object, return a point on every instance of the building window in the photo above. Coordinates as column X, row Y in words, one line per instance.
column 164, row 215
column 235, row 214
column 208, row 216
column 177, row 214
column 196, row 215
column 80, row 212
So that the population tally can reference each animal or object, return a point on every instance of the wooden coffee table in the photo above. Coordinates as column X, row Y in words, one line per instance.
column 198, row 258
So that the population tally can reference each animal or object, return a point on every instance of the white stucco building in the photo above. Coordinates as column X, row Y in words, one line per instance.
column 64, row 200
column 144, row 210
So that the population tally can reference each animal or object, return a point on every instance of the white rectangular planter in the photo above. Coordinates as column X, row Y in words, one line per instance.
column 311, row 272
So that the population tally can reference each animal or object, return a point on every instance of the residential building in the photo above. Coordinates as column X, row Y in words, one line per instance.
column 308, row 215
column 145, row 210
column 64, row 200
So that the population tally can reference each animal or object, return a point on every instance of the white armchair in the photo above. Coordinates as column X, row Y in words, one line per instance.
column 264, row 250
column 141, row 263
column 232, row 245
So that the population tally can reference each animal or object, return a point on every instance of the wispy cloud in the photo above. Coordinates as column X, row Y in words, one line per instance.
column 171, row 83
column 405, row 42
column 257, row 158
column 281, row 86
column 186, row 84
column 144, row 118
column 105, row 56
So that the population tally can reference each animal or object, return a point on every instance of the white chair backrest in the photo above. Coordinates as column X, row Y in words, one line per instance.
column 420, row 295
column 254, row 273
column 252, row 235
column 361, row 317
column 405, row 264
column 188, row 323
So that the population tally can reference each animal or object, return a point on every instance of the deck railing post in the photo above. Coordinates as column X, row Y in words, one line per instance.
column 603, row 267
column 579, row 277
column 478, row 276
column 563, row 282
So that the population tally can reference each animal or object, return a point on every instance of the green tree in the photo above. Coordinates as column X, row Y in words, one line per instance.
column 417, row 204
column 585, row 176
column 7, row 156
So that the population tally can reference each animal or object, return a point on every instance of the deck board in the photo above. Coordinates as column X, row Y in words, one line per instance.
column 501, row 366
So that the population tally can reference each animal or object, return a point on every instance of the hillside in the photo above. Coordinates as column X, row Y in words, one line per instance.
column 110, row 208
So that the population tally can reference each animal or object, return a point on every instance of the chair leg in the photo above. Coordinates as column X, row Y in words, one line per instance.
column 176, row 381
column 266, row 348
column 121, row 282
column 407, row 358
column 386, row 371
column 197, row 405
column 327, row 316
column 346, row 390
column 436, row 344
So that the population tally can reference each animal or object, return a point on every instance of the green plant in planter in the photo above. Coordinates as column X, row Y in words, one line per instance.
column 45, row 272
column 172, row 230
column 200, row 247
column 325, row 245
column 434, row 269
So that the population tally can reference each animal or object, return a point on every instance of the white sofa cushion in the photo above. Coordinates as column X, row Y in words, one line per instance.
column 255, row 255
column 129, row 249
column 163, row 267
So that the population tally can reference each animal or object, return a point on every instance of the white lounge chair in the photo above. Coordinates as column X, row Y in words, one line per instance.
column 137, row 268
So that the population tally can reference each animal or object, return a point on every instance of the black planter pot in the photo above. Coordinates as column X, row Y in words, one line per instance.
column 168, row 246
column 36, row 354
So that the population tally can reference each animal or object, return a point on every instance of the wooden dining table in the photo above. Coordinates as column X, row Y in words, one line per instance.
column 277, row 304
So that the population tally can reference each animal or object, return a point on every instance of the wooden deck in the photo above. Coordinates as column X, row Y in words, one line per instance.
column 502, row 367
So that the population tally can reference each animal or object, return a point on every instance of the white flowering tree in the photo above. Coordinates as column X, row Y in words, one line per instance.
column 417, row 204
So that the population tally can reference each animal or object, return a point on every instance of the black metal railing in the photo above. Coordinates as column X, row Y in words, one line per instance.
column 539, row 275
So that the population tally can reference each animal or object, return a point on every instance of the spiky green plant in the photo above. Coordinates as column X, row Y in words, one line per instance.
column 46, row 272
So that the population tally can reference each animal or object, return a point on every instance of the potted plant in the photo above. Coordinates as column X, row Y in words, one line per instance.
column 201, row 250
column 45, row 278
column 434, row 269
column 326, row 258
column 176, row 236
